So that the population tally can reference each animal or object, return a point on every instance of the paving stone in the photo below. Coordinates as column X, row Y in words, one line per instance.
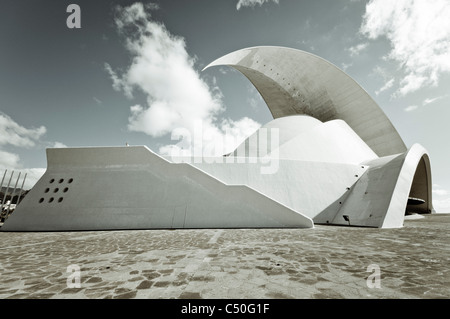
column 323, row 262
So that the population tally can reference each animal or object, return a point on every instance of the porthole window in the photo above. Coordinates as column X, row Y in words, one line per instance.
column 41, row 200
column 52, row 180
column 56, row 190
column 47, row 190
column 60, row 200
column 65, row 190
column 70, row 180
column 61, row 180
column 51, row 199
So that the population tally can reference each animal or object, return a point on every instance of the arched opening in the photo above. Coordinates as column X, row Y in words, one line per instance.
column 419, row 199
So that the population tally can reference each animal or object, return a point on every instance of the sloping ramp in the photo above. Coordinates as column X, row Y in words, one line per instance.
column 133, row 188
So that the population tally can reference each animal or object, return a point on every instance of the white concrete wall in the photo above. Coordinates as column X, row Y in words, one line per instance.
column 380, row 196
column 304, row 186
column 133, row 188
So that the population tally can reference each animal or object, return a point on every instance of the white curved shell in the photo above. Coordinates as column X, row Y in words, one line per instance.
column 295, row 82
column 304, row 138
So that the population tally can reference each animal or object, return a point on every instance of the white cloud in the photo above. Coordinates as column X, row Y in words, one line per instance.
column 252, row 3
column 410, row 108
column 442, row 205
column 118, row 83
column 236, row 132
column 356, row 50
column 16, row 135
column 345, row 66
column 8, row 159
column 378, row 70
column 441, row 199
column 58, row 145
column 254, row 98
column 176, row 96
column 210, row 141
column 419, row 34
column 441, row 192
column 223, row 70
column 99, row 102
column 388, row 79
column 386, row 86
column 432, row 100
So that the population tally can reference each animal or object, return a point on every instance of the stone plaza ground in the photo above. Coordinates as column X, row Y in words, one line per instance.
column 323, row 262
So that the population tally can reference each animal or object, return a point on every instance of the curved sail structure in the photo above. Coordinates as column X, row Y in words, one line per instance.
column 294, row 82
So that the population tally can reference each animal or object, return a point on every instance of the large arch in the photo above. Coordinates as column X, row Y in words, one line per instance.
column 414, row 178
column 380, row 196
column 420, row 195
column 295, row 82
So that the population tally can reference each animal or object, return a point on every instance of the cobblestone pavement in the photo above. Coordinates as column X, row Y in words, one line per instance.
column 323, row 262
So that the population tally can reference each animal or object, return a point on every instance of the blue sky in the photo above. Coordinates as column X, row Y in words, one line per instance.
column 132, row 72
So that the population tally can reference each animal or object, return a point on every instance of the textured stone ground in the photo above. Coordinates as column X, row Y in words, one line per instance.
column 324, row 262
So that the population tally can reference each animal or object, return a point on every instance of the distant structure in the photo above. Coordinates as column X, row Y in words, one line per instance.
column 330, row 156
column 10, row 196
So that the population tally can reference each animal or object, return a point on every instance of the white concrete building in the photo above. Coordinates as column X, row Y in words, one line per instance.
column 330, row 156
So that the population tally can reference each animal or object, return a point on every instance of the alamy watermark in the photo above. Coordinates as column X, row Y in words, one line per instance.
column 374, row 279
column 74, row 278
column 194, row 147
column 74, row 19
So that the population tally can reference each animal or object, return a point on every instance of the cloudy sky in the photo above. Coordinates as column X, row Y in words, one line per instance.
column 132, row 72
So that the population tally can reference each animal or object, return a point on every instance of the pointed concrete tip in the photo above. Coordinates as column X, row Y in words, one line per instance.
column 232, row 58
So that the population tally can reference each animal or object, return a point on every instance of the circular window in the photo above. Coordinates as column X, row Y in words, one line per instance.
column 60, row 200
column 41, row 200
column 61, row 180
column 65, row 190
column 52, row 180
column 56, row 190
column 70, row 180
column 51, row 199
column 47, row 190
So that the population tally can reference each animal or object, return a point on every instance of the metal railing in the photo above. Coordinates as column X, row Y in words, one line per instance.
column 7, row 206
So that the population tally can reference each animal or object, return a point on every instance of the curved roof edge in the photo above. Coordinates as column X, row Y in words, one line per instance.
column 294, row 82
column 305, row 138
